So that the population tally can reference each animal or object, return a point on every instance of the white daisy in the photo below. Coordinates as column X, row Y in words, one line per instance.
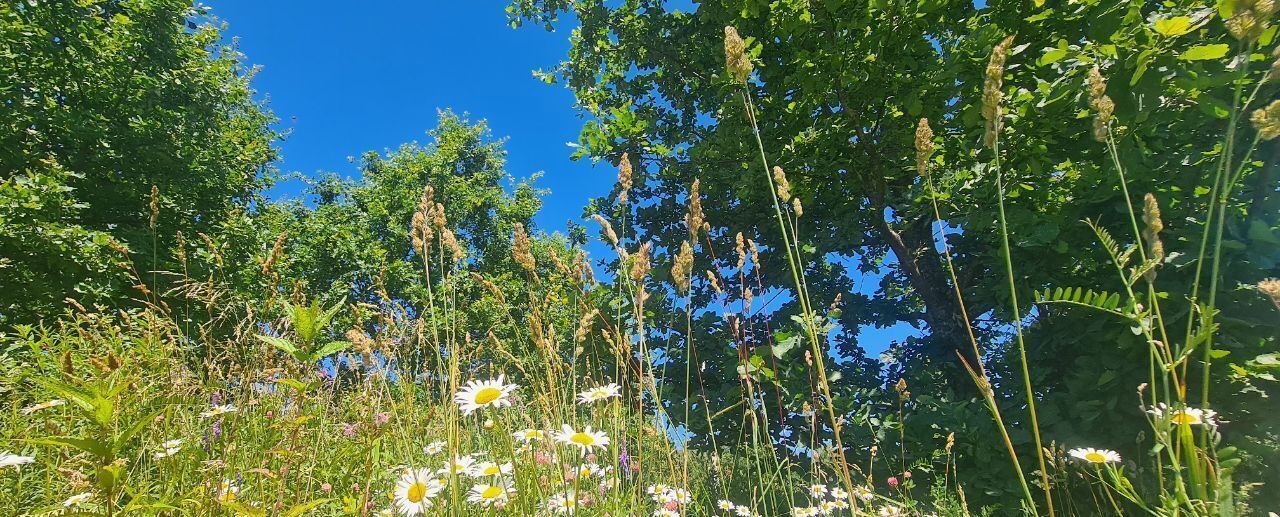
column 587, row 440
column 664, row 512
column 487, row 495
column 727, row 506
column 600, row 393
column 169, row 448
column 1185, row 415
column 414, row 492
column 479, row 394
column 77, row 500
column 818, row 491
column 14, row 460
column 459, row 465
column 218, row 410
column 566, row 503
column 490, row 469
column 681, row 496
column 839, row 493
column 228, row 490
column 743, row 511
column 1095, row 456
column 864, row 493
column 529, row 435
column 42, row 406
column 434, row 448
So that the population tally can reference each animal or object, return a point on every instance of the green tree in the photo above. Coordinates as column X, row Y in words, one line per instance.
column 122, row 96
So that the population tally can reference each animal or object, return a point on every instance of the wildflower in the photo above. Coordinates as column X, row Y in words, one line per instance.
column 458, row 465
column 725, row 505
column 227, row 491
column 681, row 496
column 1185, row 415
column 735, row 58
column 566, row 503
column 864, row 493
column 381, row 419
column 219, row 410
column 656, row 490
column 889, row 510
column 1267, row 121
column 529, row 435
column 585, row 439
column 77, row 500
column 839, row 493
column 490, row 469
column 42, row 406
column 1095, row 456
column 804, row 511
column 168, row 448
column 893, row 482
column 476, row 395
column 434, row 448
column 818, row 491
column 487, row 495
column 414, row 491
column 600, row 393
column 991, row 94
column 743, row 511
column 13, row 460
column 836, row 504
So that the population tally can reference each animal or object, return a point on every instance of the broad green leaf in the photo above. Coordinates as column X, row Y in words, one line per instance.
column 1175, row 26
column 278, row 342
column 330, row 348
column 1203, row 52
column 88, row 445
column 1052, row 56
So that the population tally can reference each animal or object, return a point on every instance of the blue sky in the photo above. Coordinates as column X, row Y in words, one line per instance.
column 348, row 80
column 345, row 80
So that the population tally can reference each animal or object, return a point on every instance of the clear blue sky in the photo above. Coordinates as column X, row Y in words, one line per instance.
column 349, row 79
column 345, row 80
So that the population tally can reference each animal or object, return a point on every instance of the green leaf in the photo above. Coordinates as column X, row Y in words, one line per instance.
column 88, row 445
column 330, row 348
column 1175, row 26
column 278, row 342
column 303, row 508
column 1203, row 52
column 1052, row 56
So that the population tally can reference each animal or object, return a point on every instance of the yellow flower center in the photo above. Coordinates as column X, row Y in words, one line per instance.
column 491, row 492
column 492, row 470
column 1182, row 417
column 488, row 395
column 417, row 491
column 583, row 439
column 1095, row 457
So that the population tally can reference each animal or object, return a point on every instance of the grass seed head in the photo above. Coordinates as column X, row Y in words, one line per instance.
column 991, row 92
column 735, row 55
column 924, row 146
column 1267, row 121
